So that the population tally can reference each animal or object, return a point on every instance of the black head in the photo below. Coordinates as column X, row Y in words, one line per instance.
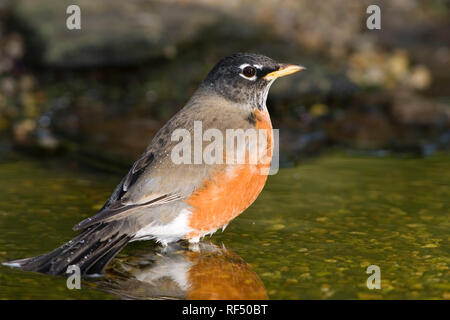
column 246, row 77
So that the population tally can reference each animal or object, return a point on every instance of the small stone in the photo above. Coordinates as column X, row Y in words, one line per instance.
column 277, row 226
column 430, row 245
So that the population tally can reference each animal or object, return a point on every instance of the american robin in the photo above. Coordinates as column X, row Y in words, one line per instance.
column 166, row 200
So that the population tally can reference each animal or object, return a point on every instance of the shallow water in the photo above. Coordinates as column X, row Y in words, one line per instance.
column 310, row 235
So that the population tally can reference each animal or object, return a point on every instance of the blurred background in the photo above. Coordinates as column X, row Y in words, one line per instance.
column 106, row 89
column 364, row 138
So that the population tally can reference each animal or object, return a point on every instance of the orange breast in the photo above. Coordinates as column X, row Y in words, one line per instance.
column 229, row 192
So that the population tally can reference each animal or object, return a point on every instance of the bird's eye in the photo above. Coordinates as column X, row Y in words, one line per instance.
column 249, row 72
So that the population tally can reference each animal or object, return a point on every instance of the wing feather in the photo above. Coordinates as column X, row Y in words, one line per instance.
column 118, row 206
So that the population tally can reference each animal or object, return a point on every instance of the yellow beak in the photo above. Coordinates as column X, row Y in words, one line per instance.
column 284, row 70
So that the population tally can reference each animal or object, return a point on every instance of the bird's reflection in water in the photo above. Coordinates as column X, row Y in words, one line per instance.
column 208, row 272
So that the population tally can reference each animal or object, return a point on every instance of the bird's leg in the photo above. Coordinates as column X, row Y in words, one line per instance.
column 194, row 244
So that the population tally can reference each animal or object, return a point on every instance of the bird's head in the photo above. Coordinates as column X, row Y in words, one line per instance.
column 245, row 78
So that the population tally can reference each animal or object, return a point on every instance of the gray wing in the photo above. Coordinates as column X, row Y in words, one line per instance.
column 154, row 179
column 139, row 188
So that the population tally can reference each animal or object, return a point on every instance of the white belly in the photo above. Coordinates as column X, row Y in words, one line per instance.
column 166, row 233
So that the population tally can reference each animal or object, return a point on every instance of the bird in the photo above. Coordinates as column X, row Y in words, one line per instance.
column 167, row 201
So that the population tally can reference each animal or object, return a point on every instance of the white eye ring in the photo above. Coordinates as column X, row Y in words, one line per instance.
column 243, row 66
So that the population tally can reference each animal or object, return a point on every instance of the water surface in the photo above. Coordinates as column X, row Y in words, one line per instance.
column 310, row 235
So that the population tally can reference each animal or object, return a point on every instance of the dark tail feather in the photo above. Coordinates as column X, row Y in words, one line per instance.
column 91, row 251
